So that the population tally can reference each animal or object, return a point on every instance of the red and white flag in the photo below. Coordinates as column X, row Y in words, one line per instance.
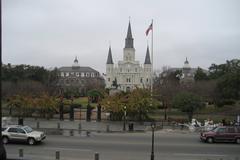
column 149, row 29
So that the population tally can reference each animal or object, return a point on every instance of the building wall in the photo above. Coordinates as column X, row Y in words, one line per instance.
column 79, row 78
column 129, row 74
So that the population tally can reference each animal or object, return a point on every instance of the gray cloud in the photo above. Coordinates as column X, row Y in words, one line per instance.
column 52, row 33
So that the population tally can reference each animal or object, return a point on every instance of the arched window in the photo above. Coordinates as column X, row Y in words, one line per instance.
column 82, row 74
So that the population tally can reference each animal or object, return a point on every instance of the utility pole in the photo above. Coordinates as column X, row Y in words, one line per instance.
column 153, row 126
column 124, row 121
column 2, row 149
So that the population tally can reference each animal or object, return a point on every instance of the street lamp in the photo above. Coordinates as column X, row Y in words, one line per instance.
column 2, row 148
column 61, row 117
column 153, row 126
column 124, row 118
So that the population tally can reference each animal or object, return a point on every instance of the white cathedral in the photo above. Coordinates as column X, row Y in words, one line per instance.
column 128, row 74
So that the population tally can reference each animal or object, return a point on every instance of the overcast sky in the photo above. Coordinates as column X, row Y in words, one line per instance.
column 51, row 33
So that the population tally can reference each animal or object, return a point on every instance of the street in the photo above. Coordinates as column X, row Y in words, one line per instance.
column 127, row 146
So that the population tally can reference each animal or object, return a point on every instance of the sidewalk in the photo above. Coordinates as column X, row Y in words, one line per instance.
column 92, row 126
column 79, row 128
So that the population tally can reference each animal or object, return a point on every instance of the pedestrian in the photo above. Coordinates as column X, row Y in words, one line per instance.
column 223, row 122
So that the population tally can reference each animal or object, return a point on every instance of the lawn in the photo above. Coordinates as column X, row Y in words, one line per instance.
column 229, row 113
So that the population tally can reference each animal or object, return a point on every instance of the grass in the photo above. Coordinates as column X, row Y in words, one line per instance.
column 229, row 113
column 81, row 101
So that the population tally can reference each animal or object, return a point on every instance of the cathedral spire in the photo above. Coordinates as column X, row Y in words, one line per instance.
column 147, row 58
column 129, row 32
column 129, row 39
column 109, row 59
column 186, row 61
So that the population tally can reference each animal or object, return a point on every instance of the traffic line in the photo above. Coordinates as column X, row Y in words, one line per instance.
column 198, row 155
column 67, row 149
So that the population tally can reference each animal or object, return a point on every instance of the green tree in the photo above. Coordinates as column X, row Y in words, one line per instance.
column 228, row 89
column 137, row 102
column 22, row 105
column 188, row 103
column 140, row 103
column 228, row 80
column 200, row 75
column 94, row 95
column 217, row 71
column 114, row 104
column 166, row 87
column 47, row 105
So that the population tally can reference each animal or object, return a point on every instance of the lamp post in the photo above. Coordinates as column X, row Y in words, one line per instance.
column 2, row 148
column 153, row 125
column 61, row 117
column 124, row 118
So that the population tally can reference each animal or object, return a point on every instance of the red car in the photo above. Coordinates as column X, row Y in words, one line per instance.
column 222, row 134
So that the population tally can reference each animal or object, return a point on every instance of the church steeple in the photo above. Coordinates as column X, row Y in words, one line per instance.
column 147, row 58
column 109, row 59
column 129, row 39
column 186, row 61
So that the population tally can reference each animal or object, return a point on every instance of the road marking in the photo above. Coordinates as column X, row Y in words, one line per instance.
column 206, row 155
column 67, row 149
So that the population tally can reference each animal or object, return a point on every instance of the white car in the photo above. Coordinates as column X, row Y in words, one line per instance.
column 21, row 133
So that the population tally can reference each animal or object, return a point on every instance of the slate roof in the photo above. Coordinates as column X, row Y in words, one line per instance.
column 129, row 32
column 147, row 58
column 77, row 69
column 109, row 59
column 129, row 38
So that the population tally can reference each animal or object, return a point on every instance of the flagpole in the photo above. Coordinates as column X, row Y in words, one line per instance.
column 152, row 62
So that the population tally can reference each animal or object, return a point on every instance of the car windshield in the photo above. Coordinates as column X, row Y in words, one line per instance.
column 215, row 129
column 28, row 129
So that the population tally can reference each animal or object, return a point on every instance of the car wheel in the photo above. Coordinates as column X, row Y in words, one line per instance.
column 238, row 140
column 5, row 140
column 31, row 141
column 210, row 140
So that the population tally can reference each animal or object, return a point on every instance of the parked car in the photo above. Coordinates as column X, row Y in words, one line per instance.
column 222, row 134
column 21, row 133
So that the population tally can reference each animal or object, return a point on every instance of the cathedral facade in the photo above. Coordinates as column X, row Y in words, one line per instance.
column 128, row 73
